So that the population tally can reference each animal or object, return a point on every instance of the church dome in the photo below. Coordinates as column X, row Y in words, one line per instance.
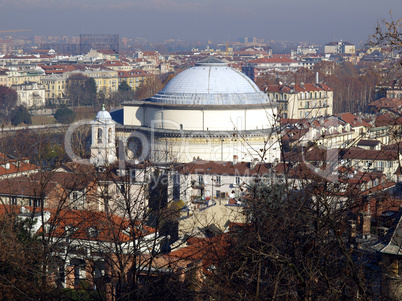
column 211, row 82
column 103, row 116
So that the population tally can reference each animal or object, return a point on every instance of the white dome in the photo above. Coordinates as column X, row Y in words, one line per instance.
column 103, row 116
column 211, row 82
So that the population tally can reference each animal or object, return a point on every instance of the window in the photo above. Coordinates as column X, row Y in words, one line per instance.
column 92, row 231
column 200, row 180
column 13, row 200
column 218, row 180
column 122, row 189
column 237, row 180
column 109, row 135
column 176, row 186
column 132, row 174
column 100, row 135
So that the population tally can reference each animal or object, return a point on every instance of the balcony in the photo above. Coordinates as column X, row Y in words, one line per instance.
column 197, row 185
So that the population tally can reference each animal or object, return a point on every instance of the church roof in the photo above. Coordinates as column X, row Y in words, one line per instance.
column 211, row 82
column 103, row 116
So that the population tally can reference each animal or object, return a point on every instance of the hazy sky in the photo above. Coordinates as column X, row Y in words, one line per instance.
column 309, row 20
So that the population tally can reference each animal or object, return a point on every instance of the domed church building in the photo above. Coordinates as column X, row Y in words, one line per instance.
column 209, row 111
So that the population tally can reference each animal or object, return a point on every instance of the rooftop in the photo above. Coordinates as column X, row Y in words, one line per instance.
column 210, row 82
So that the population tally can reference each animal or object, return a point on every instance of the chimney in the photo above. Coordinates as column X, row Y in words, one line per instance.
column 352, row 229
column 253, row 163
column 365, row 223
column 235, row 159
column 316, row 78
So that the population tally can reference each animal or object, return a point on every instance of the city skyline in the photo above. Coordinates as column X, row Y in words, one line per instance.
column 311, row 20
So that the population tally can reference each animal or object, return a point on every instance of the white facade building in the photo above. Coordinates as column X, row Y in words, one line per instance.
column 30, row 94
column 209, row 111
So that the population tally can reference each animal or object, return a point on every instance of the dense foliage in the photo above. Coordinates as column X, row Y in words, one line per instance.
column 8, row 100
column 65, row 115
column 81, row 90
column 20, row 115
column 294, row 248
column 124, row 87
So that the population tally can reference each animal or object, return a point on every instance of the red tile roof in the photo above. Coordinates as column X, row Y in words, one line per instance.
column 41, row 184
column 388, row 119
column 272, row 60
column 133, row 73
column 353, row 120
column 10, row 166
column 223, row 168
column 320, row 155
column 57, row 69
column 114, row 63
column 309, row 87
column 387, row 103
column 93, row 225
column 86, row 225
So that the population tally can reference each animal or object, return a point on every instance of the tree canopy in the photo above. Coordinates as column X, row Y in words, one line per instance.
column 20, row 115
column 81, row 90
column 148, row 89
column 65, row 115
column 8, row 100
column 124, row 87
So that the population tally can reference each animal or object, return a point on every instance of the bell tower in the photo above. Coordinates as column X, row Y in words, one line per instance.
column 103, row 147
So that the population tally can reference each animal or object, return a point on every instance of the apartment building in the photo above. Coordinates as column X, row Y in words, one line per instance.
column 339, row 47
column 302, row 100
column 262, row 66
column 135, row 78
column 20, row 75
column 107, row 81
column 55, row 85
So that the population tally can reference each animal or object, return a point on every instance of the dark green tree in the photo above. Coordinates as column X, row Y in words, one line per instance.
column 65, row 115
column 20, row 115
column 293, row 248
column 20, row 262
column 81, row 90
column 8, row 100
column 91, row 89
column 124, row 87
